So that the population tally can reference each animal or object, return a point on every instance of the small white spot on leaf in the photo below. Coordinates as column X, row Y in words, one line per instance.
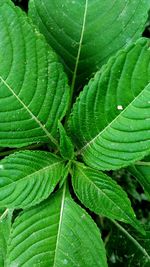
column 113, row 258
column 119, row 107
column 65, row 261
column 83, row 216
column 1, row 167
column 14, row 264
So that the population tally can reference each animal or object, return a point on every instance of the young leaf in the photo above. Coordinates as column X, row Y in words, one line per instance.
column 141, row 171
column 5, row 225
column 66, row 146
column 56, row 233
column 110, row 122
column 83, row 33
column 28, row 177
column 101, row 194
column 65, row 173
column 33, row 86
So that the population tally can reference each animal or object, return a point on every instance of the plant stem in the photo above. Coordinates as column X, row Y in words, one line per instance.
column 136, row 243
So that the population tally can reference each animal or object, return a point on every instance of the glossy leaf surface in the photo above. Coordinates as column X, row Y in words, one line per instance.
column 33, row 86
column 66, row 146
column 110, row 121
column 56, row 233
column 28, row 177
column 101, row 194
column 5, row 227
column 85, row 33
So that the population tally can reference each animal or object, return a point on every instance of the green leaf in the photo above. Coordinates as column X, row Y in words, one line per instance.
column 101, row 194
column 141, row 171
column 66, row 146
column 83, row 34
column 132, row 248
column 65, row 174
column 5, row 225
column 28, row 177
column 56, row 233
column 110, row 122
column 33, row 86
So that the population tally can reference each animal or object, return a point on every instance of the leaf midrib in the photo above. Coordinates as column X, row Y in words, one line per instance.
column 80, row 44
column 60, row 224
column 77, row 62
column 113, row 121
column 52, row 139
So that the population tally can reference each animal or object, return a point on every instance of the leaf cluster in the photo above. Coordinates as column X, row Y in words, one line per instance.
column 74, row 108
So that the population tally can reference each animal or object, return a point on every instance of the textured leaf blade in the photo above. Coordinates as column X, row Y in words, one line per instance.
column 33, row 86
column 111, row 118
column 83, row 34
column 55, row 234
column 5, row 226
column 65, row 174
column 28, row 177
column 101, row 194
column 66, row 146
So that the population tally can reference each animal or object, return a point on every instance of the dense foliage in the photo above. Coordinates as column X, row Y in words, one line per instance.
column 74, row 133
